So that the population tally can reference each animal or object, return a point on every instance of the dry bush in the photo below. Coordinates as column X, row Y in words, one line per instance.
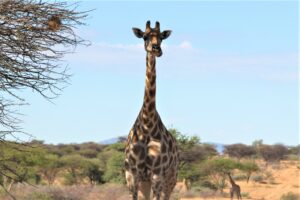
column 78, row 192
column 245, row 195
column 290, row 196
column 273, row 153
column 257, row 178
column 109, row 191
column 265, row 177
column 191, row 194
column 203, row 193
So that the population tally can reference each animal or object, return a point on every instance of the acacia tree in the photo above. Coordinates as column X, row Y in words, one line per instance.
column 18, row 163
column 186, row 144
column 74, row 165
column 217, row 169
column 49, row 167
column 239, row 150
column 273, row 153
column 34, row 37
column 249, row 167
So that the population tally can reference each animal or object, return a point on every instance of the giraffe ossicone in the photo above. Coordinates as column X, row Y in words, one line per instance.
column 151, row 153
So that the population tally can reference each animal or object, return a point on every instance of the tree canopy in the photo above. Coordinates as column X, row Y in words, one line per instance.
column 34, row 37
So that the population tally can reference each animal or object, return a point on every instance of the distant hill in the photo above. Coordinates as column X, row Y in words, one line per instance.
column 109, row 141
column 219, row 146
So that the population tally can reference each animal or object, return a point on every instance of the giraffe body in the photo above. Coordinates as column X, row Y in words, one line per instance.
column 151, row 153
column 235, row 189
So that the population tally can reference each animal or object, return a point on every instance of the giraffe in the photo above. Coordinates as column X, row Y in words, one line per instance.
column 235, row 188
column 151, row 153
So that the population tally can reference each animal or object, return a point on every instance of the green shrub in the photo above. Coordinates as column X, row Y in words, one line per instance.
column 88, row 153
column 189, row 171
column 290, row 196
column 120, row 147
column 92, row 171
column 245, row 195
column 69, row 179
column 115, row 169
column 249, row 167
column 240, row 177
column 293, row 157
column 216, row 170
column 210, row 185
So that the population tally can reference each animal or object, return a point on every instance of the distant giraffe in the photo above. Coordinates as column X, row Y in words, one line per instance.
column 151, row 153
column 235, row 188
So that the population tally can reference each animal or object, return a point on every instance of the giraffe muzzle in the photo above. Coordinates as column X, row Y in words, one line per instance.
column 156, row 47
column 156, row 50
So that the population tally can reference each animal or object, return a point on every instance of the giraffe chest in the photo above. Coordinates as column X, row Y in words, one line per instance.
column 150, row 151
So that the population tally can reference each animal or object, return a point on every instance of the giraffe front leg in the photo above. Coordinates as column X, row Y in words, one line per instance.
column 157, row 186
column 132, row 184
column 231, row 194
column 169, row 183
column 168, row 187
column 145, row 189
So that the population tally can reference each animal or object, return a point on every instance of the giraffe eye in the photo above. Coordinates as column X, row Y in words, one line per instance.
column 145, row 37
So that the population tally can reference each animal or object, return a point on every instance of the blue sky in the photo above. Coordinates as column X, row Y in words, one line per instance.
column 229, row 73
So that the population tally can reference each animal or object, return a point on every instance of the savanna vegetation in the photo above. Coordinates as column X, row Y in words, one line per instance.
column 91, row 166
column 34, row 37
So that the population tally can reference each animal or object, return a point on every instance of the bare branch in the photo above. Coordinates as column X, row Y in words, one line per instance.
column 34, row 37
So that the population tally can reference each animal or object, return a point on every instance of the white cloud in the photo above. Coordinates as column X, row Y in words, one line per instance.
column 184, row 59
column 185, row 45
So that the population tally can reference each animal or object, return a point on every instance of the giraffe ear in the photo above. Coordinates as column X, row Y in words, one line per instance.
column 137, row 32
column 165, row 34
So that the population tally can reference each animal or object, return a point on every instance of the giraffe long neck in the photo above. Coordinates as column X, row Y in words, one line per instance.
column 149, row 104
column 231, row 180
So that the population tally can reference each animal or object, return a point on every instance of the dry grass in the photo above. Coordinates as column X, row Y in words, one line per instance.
column 79, row 192
column 286, row 182
column 281, row 182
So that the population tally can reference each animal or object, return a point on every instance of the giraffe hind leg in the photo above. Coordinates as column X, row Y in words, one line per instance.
column 239, row 193
column 240, row 196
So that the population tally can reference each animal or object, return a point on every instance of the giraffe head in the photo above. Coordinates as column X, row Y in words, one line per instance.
column 152, row 38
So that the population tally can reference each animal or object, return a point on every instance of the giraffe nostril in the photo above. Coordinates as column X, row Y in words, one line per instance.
column 155, row 47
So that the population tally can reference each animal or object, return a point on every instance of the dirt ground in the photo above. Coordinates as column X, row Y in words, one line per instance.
column 286, row 179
